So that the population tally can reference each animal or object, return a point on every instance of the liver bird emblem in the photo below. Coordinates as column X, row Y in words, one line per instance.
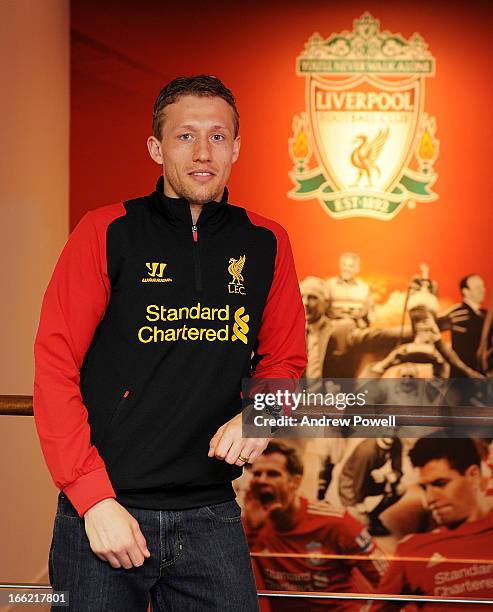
column 235, row 267
column 365, row 155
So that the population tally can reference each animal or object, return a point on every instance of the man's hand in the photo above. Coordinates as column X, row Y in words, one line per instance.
column 228, row 444
column 453, row 318
column 255, row 511
column 483, row 355
column 114, row 535
column 474, row 374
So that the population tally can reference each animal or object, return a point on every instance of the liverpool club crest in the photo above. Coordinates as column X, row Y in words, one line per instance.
column 364, row 146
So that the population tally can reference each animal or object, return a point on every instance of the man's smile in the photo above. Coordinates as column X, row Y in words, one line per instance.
column 202, row 175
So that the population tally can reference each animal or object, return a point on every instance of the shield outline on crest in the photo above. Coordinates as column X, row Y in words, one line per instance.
column 340, row 84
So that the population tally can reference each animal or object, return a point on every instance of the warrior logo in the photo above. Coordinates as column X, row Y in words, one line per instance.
column 235, row 267
column 156, row 269
column 155, row 273
column 364, row 146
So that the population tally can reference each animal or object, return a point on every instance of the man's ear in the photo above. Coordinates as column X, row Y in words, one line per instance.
column 154, row 148
column 236, row 148
column 473, row 472
column 296, row 480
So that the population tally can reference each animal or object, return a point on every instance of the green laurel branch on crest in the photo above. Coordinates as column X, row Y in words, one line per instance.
column 317, row 185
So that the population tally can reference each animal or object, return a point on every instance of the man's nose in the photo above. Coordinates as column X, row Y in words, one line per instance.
column 202, row 150
column 431, row 495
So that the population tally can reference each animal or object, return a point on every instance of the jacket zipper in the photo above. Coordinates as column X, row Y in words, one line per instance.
column 196, row 258
column 115, row 412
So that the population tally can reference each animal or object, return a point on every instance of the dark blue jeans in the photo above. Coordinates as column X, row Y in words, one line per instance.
column 199, row 561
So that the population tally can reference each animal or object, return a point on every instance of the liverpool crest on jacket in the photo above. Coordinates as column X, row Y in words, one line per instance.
column 364, row 146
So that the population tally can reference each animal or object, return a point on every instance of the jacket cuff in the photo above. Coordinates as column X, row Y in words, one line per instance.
column 89, row 489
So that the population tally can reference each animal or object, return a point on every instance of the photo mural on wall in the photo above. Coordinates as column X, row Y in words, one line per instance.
column 394, row 515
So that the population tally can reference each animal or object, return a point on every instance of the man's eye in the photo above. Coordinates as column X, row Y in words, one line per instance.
column 440, row 483
column 217, row 137
column 185, row 136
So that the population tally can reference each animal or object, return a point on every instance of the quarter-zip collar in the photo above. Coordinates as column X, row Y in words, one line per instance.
column 177, row 210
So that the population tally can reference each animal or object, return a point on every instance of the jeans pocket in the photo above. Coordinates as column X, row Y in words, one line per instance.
column 65, row 508
column 227, row 512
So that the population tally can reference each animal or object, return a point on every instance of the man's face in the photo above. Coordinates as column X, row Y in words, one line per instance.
column 408, row 374
column 197, row 148
column 449, row 494
column 271, row 482
column 475, row 290
column 348, row 267
column 314, row 306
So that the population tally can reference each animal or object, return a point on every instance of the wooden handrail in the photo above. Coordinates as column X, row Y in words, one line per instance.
column 22, row 405
column 16, row 405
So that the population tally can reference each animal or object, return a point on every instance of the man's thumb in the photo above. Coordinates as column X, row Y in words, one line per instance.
column 141, row 541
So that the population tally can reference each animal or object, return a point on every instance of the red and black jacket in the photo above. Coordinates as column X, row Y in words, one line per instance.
column 147, row 328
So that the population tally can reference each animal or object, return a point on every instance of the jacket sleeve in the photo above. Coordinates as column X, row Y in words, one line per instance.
column 281, row 345
column 73, row 305
column 353, row 539
column 392, row 583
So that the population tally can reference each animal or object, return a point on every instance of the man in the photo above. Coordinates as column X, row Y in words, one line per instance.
column 317, row 324
column 370, row 479
column 348, row 296
column 330, row 452
column 427, row 345
column 280, row 522
column 350, row 310
column 485, row 349
column 457, row 556
column 466, row 334
column 147, row 329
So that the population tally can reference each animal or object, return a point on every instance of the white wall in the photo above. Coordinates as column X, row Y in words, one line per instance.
column 34, row 173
